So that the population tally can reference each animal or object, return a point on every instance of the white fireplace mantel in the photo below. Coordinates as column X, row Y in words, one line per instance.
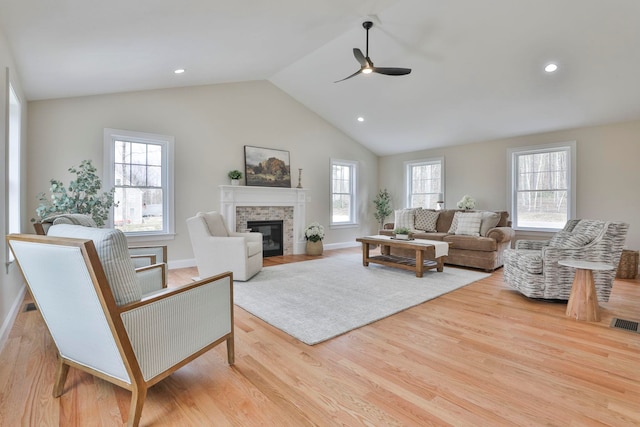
column 232, row 196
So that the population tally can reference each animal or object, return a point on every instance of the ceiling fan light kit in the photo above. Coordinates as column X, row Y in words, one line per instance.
column 366, row 65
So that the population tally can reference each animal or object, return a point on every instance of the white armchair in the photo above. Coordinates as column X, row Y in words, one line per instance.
column 83, row 282
column 217, row 249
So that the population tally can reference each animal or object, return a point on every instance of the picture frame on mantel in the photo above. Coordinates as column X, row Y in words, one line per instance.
column 267, row 167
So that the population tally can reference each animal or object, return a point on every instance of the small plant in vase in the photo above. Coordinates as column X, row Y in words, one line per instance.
column 467, row 203
column 235, row 176
column 402, row 233
column 313, row 234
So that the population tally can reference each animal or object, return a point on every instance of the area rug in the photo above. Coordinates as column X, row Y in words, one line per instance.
column 314, row 301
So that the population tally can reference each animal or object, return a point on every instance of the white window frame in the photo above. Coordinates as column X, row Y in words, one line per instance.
column 512, row 174
column 13, row 206
column 353, row 173
column 167, row 142
column 408, row 169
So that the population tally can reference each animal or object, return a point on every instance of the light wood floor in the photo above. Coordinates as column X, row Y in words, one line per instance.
column 480, row 356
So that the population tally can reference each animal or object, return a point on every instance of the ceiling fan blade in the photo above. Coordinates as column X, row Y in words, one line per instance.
column 391, row 71
column 359, row 56
column 352, row 75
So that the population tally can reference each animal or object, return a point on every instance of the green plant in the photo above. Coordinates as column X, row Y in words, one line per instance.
column 235, row 174
column 383, row 206
column 402, row 230
column 81, row 197
column 314, row 232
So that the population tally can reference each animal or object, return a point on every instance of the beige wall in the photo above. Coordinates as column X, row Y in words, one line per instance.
column 11, row 286
column 608, row 172
column 211, row 125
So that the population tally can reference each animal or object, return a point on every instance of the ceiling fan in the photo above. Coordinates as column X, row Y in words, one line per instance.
column 366, row 65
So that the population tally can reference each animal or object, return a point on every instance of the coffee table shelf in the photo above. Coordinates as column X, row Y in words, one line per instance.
column 402, row 262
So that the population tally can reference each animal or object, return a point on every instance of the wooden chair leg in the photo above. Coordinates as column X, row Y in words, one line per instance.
column 137, row 401
column 61, row 377
column 231, row 358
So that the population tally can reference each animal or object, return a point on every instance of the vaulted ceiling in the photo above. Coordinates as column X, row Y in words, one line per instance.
column 477, row 66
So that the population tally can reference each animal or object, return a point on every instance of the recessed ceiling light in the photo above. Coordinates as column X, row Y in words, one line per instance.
column 361, row 119
column 550, row 68
column 179, row 71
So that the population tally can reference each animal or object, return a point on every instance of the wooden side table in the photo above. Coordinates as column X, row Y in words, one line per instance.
column 583, row 301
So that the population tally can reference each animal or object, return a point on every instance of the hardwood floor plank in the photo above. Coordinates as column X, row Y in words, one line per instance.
column 481, row 355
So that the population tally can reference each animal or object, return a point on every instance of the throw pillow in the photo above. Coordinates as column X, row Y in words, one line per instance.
column 405, row 218
column 489, row 221
column 469, row 224
column 566, row 239
column 426, row 219
column 454, row 223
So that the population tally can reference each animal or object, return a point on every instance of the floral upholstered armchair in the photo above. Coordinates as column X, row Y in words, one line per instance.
column 532, row 267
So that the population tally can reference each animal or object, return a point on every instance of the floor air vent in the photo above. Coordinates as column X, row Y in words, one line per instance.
column 627, row 325
column 30, row 307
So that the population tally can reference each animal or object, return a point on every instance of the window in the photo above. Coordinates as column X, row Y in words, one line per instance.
column 14, row 214
column 425, row 183
column 542, row 195
column 140, row 168
column 343, row 192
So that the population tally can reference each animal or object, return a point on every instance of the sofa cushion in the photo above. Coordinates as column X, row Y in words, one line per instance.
column 527, row 260
column 489, row 220
column 445, row 218
column 565, row 239
column 426, row 219
column 405, row 218
column 473, row 243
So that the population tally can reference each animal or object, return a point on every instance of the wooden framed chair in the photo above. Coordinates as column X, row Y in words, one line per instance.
column 84, row 283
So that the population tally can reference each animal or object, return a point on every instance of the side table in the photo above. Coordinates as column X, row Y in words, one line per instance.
column 583, row 301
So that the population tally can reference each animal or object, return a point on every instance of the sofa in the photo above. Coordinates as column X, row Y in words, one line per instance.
column 478, row 238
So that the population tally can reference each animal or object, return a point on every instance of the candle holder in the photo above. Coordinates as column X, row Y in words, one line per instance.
column 299, row 178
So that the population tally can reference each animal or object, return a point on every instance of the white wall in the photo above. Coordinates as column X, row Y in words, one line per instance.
column 11, row 285
column 211, row 125
column 608, row 175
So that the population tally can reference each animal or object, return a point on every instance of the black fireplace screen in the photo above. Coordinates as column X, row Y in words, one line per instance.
column 272, row 244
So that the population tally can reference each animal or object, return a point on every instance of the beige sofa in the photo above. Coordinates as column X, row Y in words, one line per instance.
column 483, row 248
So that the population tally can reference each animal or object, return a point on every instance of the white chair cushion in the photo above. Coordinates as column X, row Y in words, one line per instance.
column 215, row 223
column 111, row 246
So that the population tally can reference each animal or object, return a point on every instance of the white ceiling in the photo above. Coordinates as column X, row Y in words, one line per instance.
column 477, row 65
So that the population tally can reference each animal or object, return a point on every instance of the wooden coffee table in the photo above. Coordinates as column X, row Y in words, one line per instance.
column 425, row 253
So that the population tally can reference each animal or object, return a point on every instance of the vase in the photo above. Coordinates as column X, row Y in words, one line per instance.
column 235, row 182
column 314, row 248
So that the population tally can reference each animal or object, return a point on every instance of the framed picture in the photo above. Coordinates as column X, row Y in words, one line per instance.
column 266, row 167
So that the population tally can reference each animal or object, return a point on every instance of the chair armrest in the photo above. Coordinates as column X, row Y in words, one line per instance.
column 501, row 234
column 531, row 244
column 170, row 327
column 152, row 277
column 251, row 237
column 143, row 260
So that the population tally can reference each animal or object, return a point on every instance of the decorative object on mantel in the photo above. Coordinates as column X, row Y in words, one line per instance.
column 235, row 176
column 266, row 167
column 467, row 203
column 402, row 233
column 314, row 233
column 299, row 178
column 81, row 197
column 383, row 206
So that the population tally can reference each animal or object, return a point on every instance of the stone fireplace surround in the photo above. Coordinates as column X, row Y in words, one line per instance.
column 239, row 204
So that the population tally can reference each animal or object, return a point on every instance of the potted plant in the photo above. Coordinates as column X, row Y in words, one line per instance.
column 402, row 233
column 313, row 234
column 467, row 203
column 235, row 176
column 82, row 196
column 382, row 203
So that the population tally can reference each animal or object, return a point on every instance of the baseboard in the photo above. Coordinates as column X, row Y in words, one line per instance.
column 181, row 263
column 8, row 322
column 343, row 245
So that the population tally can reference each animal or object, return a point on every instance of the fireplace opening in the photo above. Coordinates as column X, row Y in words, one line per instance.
column 272, row 244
